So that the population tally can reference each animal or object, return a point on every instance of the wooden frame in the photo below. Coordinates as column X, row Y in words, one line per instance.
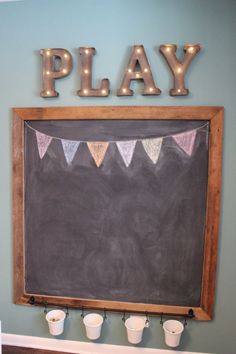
column 213, row 114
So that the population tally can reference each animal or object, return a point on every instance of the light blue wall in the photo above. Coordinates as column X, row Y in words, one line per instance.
column 112, row 27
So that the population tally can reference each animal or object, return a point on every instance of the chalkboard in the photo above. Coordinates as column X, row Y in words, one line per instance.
column 119, row 234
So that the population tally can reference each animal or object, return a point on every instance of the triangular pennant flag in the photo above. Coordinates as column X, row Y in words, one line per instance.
column 186, row 141
column 98, row 150
column 43, row 142
column 126, row 149
column 152, row 148
column 69, row 147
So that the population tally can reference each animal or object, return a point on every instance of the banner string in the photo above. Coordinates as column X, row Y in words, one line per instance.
column 128, row 139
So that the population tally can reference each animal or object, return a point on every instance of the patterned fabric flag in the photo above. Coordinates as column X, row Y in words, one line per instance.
column 43, row 142
column 126, row 149
column 98, row 150
column 152, row 148
column 69, row 147
column 186, row 141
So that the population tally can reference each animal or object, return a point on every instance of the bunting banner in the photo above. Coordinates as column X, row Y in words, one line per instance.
column 153, row 148
column 43, row 142
column 69, row 147
column 186, row 141
column 126, row 149
column 98, row 150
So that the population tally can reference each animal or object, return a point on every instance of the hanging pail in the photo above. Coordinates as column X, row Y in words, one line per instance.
column 134, row 326
column 55, row 319
column 173, row 330
column 93, row 325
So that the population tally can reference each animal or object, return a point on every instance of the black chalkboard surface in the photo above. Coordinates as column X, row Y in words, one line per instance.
column 116, row 233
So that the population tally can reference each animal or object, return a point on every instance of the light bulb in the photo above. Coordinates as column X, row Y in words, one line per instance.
column 151, row 89
column 65, row 55
column 48, row 52
column 179, row 70
column 104, row 92
column 64, row 71
column 145, row 70
column 138, row 50
column 86, row 71
column 85, row 92
column 86, row 51
column 47, row 72
column 124, row 90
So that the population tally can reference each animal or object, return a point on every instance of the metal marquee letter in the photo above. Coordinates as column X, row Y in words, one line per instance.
column 57, row 63
column 179, row 68
column 138, row 57
column 86, row 89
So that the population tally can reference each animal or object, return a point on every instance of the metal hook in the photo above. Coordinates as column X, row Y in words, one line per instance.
column 45, row 308
column 161, row 321
column 82, row 312
column 147, row 320
column 123, row 318
column 67, row 311
column 104, row 314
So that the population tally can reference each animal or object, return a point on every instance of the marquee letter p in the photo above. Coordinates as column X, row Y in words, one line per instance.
column 57, row 63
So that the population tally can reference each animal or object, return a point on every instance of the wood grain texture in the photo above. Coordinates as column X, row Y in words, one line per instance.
column 18, row 203
column 213, row 213
column 118, row 112
column 215, row 117
column 8, row 349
